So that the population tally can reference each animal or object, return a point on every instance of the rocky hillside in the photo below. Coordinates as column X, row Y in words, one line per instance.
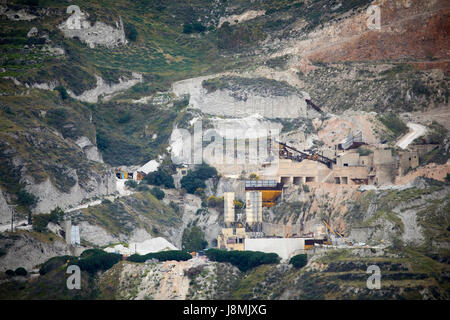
column 95, row 86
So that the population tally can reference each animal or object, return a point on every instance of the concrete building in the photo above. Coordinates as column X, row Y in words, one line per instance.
column 284, row 247
column 297, row 173
column 231, row 239
column 407, row 160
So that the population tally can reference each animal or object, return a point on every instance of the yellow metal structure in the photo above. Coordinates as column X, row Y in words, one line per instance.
column 336, row 233
column 269, row 197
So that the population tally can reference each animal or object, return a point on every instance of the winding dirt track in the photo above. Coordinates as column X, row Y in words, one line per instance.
column 415, row 131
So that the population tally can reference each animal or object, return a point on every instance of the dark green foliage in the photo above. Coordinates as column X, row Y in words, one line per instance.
column 91, row 252
column 10, row 273
column 130, row 32
column 187, row 28
column 193, row 239
column 159, row 178
column 420, row 89
column 62, row 92
column 99, row 261
column 41, row 221
column 196, row 179
column 158, row 193
column 102, row 141
column 56, row 215
column 193, row 27
column 21, row 272
column 124, row 118
column 244, row 260
column 54, row 263
column 299, row 261
column 393, row 123
column 27, row 199
column 176, row 255
column 131, row 184
column 142, row 187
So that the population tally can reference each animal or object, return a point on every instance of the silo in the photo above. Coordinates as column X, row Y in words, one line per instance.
column 228, row 203
column 253, row 210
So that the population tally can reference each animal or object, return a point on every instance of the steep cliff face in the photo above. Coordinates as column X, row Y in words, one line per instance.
column 242, row 97
column 28, row 250
column 5, row 210
column 99, row 33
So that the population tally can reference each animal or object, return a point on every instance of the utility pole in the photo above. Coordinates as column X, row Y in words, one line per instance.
column 12, row 206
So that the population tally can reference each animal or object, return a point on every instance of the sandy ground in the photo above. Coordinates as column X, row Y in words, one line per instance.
column 337, row 128
column 432, row 170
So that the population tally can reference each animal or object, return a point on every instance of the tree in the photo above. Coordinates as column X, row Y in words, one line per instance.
column 56, row 215
column 299, row 261
column 21, row 272
column 196, row 178
column 159, row 178
column 40, row 222
column 62, row 92
column 244, row 260
column 158, row 193
column 193, row 239
column 187, row 28
column 130, row 32
column 27, row 199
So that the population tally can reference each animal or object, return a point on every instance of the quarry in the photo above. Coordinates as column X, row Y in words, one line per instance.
column 217, row 150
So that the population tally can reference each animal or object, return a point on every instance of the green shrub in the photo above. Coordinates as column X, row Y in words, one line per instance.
column 10, row 273
column 56, row 215
column 25, row 198
column 131, row 184
column 21, row 272
column 91, row 252
column 125, row 118
column 102, row 141
column 142, row 187
column 299, row 261
column 193, row 239
column 187, row 28
column 196, row 179
column 194, row 27
column 244, row 260
column 393, row 123
column 159, row 178
column 99, row 261
column 176, row 255
column 130, row 32
column 54, row 263
column 158, row 193
column 41, row 221
column 62, row 92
